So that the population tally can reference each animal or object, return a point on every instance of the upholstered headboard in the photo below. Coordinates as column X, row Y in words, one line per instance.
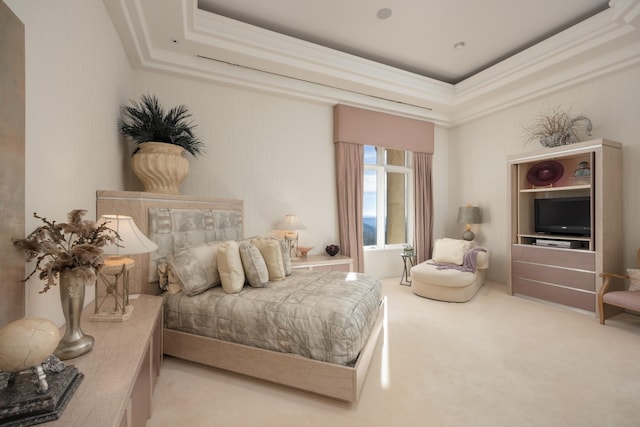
column 180, row 228
column 171, row 221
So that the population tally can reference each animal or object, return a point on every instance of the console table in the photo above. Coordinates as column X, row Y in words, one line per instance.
column 324, row 263
column 121, row 370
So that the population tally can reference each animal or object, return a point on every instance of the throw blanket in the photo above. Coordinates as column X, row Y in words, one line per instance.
column 468, row 264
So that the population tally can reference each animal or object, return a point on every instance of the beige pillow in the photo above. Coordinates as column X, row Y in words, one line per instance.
column 286, row 257
column 450, row 251
column 272, row 254
column 254, row 266
column 230, row 267
column 194, row 268
column 634, row 279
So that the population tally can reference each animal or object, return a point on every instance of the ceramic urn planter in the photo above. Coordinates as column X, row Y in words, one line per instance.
column 160, row 166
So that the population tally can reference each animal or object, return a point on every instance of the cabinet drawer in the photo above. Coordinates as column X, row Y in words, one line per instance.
column 573, row 298
column 567, row 258
column 555, row 275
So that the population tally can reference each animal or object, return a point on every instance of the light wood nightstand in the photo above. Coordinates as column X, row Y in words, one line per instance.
column 323, row 263
column 120, row 371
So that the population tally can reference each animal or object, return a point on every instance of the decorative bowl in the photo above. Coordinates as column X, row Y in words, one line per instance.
column 303, row 251
column 332, row 250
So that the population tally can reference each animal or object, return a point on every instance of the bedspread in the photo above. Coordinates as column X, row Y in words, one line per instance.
column 321, row 315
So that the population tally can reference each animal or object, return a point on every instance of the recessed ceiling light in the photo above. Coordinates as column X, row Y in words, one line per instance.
column 459, row 45
column 384, row 13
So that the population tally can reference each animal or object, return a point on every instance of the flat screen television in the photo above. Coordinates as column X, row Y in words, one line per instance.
column 567, row 215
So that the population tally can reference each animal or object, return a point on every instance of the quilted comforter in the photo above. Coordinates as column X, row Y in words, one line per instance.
column 324, row 316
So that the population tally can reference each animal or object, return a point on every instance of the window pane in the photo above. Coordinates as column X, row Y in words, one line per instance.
column 395, row 157
column 370, row 155
column 396, row 219
column 370, row 207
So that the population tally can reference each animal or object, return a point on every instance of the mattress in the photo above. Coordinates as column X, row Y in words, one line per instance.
column 325, row 316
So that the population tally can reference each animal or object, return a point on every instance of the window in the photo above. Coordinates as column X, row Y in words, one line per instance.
column 387, row 217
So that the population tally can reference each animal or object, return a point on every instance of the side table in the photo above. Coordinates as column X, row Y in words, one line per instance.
column 323, row 262
column 408, row 261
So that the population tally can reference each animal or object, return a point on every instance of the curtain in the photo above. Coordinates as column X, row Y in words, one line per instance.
column 350, row 182
column 423, row 194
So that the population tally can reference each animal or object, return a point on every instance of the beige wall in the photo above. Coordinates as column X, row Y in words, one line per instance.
column 76, row 76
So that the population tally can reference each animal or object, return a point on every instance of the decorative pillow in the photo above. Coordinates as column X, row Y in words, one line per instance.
column 450, row 251
column 272, row 253
column 195, row 268
column 286, row 257
column 230, row 267
column 166, row 279
column 254, row 266
column 634, row 279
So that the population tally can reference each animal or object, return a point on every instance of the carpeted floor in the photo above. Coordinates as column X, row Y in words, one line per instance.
column 497, row 360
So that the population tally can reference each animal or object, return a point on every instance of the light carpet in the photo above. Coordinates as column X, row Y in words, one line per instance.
column 497, row 360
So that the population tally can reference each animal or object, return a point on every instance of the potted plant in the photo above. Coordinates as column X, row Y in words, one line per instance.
column 72, row 251
column 556, row 127
column 162, row 138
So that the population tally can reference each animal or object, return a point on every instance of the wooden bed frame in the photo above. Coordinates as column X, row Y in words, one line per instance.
column 339, row 382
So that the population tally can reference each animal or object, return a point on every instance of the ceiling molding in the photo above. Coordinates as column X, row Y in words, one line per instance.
column 178, row 38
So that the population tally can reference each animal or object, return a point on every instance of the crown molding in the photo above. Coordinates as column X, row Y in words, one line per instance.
column 178, row 38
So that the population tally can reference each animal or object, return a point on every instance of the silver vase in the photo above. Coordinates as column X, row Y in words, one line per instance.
column 74, row 343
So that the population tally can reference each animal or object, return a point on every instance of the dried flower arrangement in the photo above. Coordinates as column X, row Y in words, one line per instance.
column 556, row 127
column 64, row 246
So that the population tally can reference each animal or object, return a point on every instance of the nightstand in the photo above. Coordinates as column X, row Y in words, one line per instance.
column 323, row 263
column 120, row 371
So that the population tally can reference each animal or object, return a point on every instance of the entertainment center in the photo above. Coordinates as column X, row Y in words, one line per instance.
column 565, row 227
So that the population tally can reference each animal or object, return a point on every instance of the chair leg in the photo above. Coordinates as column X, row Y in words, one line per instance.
column 601, row 310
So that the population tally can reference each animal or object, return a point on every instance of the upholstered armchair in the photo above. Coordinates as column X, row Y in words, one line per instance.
column 628, row 299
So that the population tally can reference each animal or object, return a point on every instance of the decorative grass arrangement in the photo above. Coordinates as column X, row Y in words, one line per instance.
column 556, row 127
column 146, row 121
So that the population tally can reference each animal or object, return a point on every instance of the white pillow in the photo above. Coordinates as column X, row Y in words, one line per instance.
column 272, row 254
column 195, row 268
column 230, row 267
column 634, row 279
column 450, row 251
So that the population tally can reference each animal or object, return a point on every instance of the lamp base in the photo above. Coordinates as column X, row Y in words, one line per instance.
column 468, row 235
column 114, row 305
column 113, row 316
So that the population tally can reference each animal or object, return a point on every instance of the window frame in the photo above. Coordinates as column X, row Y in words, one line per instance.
column 382, row 169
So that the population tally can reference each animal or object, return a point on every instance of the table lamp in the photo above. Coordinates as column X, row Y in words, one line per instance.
column 469, row 215
column 290, row 225
column 115, row 272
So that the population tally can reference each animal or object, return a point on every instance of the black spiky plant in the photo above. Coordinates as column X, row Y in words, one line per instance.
column 146, row 121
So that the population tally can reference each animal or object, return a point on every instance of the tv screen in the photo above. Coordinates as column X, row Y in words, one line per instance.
column 568, row 215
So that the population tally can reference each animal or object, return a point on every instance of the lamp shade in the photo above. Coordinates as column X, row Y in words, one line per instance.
column 290, row 223
column 469, row 215
column 132, row 242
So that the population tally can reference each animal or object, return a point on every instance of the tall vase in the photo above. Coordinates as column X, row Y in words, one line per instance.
column 74, row 343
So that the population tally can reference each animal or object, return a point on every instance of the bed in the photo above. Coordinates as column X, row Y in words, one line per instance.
column 281, row 346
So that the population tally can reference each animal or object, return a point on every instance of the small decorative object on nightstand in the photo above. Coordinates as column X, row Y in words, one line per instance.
column 304, row 251
column 115, row 272
column 332, row 250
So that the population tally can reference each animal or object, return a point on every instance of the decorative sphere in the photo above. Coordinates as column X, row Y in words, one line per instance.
column 332, row 250
column 27, row 342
